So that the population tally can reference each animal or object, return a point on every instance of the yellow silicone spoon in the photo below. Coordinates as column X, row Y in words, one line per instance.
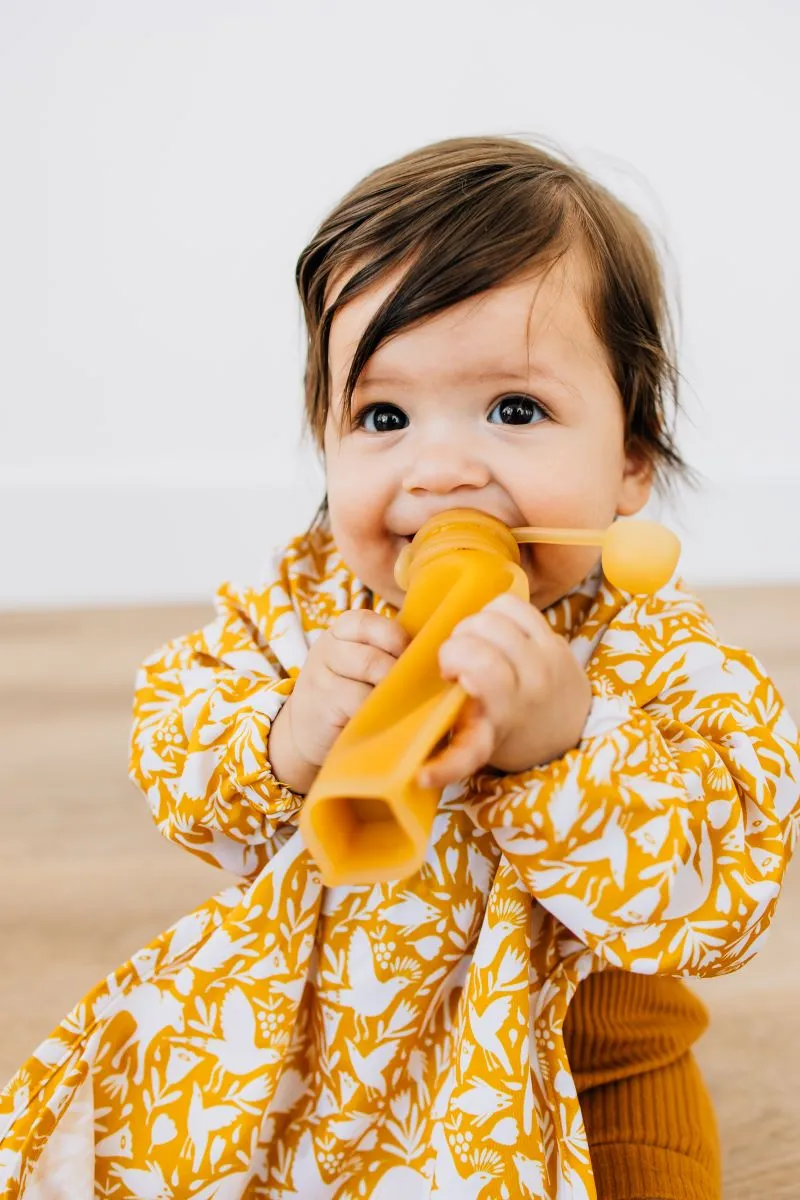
column 637, row 556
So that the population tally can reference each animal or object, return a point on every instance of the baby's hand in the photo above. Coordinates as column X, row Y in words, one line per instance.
column 529, row 697
column 343, row 666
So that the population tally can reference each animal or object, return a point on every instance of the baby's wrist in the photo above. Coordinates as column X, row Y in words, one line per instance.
column 287, row 764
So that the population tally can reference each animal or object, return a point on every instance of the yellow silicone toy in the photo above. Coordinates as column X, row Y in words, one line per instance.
column 637, row 556
column 365, row 818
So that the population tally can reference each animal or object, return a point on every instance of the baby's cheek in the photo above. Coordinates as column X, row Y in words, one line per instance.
column 366, row 547
column 352, row 517
column 564, row 563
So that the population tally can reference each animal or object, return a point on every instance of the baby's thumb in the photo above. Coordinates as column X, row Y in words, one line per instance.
column 469, row 748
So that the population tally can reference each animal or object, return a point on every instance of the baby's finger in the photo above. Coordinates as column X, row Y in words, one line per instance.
column 501, row 628
column 484, row 673
column 363, row 625
column 358, row 660
column 526, row 616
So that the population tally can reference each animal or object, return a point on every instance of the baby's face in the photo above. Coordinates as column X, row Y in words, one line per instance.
column 431, row 430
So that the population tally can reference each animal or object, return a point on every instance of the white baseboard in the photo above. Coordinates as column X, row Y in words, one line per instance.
column 123, row 540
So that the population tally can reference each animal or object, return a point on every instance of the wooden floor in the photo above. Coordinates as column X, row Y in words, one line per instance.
column 86, row 878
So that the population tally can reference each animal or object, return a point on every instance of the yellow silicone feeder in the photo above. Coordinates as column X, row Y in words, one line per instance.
column 365, row 818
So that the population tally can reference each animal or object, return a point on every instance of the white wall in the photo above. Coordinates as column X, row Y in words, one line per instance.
column 165, row 161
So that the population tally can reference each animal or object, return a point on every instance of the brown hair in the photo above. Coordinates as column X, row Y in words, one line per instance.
column 468, row 214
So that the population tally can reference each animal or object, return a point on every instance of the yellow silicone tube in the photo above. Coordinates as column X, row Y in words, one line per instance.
column 365, row 818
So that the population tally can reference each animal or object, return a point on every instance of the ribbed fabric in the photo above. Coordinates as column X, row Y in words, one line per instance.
column 649, row 1120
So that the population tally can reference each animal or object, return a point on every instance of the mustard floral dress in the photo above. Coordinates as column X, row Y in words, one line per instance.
column 404, row 1040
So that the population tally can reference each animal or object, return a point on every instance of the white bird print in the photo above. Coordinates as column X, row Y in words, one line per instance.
column 531, row 1175
column 307, row 1183
column 441, row 825
column 153, row 1011
column 203, row 1121
column 292, row 989
column 448, row 1184
column 144, row 1185
column 236, row 1051
column 368, row 995
column 186, row 933
column 490, row 939
column 116, row 1145
column 691, row 886
column 270, row 962
column 151, row 763
column 481, row 1099
column 270, row 966
column 400, row 1183
column 411, row 913
column 487, row 1025
column 612, row 846
column 369, row 1068
column 721, row 675
column 221, row 947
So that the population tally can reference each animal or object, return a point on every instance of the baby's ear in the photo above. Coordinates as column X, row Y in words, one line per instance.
column 636, row 483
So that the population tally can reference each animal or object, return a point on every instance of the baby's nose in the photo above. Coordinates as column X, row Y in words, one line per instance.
column 444, row 470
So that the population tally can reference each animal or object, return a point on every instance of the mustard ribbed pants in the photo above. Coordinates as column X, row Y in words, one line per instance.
column 650, row 1123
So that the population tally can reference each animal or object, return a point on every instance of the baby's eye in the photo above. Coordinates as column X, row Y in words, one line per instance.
column 517, row 410
column 384, row 418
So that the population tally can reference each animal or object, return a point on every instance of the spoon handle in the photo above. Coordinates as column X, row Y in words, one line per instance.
column 560, row 537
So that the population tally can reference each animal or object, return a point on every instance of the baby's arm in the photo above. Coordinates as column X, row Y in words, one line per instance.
column 202, row 712
column 662, row 839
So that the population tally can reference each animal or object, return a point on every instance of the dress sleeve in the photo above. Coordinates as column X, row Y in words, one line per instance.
column 202, row 712
column 662, row 839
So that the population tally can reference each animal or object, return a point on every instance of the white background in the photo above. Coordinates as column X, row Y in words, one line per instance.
column 164, row 163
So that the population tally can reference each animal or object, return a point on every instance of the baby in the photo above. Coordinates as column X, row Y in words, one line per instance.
column 487, row 328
